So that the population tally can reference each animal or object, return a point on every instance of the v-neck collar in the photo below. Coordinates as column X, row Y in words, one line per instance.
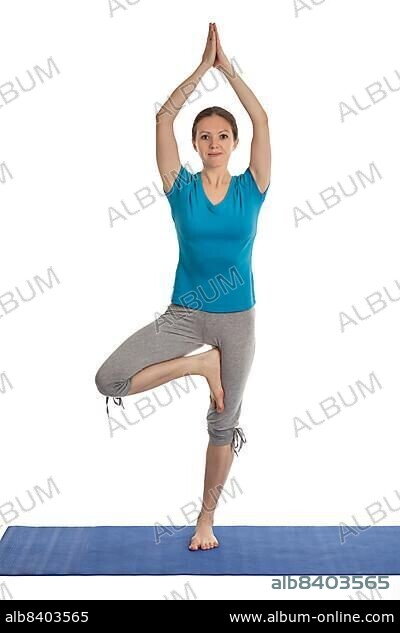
column 212, row 205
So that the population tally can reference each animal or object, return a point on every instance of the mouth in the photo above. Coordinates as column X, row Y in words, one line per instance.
column 219, row 154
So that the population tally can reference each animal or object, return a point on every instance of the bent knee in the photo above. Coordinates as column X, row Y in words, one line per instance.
column 102, row 382
column 109, row 385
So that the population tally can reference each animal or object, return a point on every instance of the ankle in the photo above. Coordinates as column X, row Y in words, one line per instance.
column 206, row 517
column 198, row 364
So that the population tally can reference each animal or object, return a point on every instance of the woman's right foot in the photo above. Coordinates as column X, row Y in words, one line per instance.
column 211, row 370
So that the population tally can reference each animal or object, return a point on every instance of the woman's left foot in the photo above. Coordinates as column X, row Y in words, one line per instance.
column 203, row 538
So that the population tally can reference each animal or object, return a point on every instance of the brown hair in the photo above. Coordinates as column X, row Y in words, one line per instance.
column 221, row 112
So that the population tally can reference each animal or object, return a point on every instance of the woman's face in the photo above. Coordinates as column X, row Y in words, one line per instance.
column 214, row 141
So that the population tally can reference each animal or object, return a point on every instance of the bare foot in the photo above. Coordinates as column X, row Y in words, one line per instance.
column 211, row 369
column 203, row 538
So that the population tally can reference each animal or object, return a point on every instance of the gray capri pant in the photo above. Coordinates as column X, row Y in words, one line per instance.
column 177, row 332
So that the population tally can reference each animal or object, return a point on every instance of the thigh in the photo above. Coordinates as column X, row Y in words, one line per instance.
column 234, row 335
column 237, row 348
column 174, row 333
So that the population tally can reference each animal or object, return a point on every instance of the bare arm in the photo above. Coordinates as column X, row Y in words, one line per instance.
column 167, row 154
column 260, row 156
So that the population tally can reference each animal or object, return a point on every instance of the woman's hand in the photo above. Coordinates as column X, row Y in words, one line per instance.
column 211, row 47
column 221, row 61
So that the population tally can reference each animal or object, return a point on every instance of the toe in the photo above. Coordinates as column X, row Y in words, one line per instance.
column 194, row 544
column 220, row 402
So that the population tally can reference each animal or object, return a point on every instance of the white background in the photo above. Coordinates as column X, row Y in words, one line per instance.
column 83, row 141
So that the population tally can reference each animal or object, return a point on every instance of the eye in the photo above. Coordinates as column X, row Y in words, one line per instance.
column 226, row 136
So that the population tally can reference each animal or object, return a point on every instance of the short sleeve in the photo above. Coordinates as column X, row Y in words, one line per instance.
column 181, row 184
column 247, row 181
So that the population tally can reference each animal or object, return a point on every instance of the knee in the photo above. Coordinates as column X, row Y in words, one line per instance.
column 220, row 437
column 110, row 385
column 223, row 427
column 102, row 382
column 233, row 436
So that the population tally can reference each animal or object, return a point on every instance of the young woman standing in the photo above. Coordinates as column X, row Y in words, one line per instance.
column 213, row 299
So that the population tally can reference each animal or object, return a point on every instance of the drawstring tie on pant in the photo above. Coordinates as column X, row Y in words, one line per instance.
column 115, row 402
column 238, row 439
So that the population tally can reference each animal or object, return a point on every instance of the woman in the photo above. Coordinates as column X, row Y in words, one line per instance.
column 215, row 215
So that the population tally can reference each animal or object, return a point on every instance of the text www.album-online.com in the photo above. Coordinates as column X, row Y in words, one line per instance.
column 338, row 616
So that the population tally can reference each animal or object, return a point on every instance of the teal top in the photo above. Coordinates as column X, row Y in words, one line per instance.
column 214, row 271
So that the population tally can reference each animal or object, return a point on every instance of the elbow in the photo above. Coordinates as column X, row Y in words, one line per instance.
column 164, row 117
column 261, row 118
column 162, row 114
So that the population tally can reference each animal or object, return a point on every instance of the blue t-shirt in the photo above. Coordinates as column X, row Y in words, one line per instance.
column 214, row 271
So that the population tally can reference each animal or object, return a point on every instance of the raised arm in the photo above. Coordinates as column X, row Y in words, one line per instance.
column 167, row 154
column 260, row 155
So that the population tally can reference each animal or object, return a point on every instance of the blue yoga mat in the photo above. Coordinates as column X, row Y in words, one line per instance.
column 244, row 550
